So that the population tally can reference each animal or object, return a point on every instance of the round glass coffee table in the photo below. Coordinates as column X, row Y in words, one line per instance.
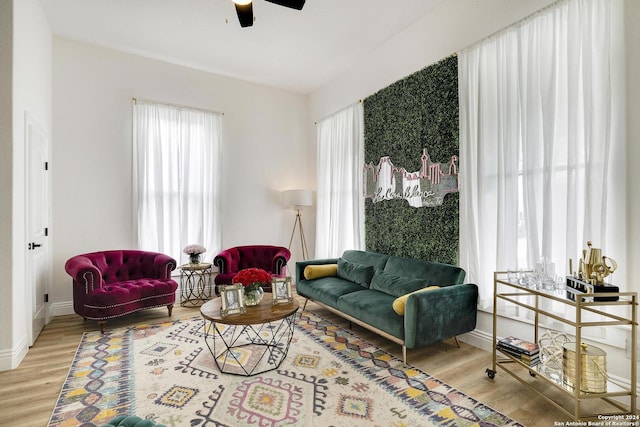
column 249, row 343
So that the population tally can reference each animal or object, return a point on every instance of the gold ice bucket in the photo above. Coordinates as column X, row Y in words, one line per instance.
column 593, row 368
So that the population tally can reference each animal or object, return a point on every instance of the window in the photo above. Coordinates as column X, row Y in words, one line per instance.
column 542, row 141
column 340, row 211
column 176, row 177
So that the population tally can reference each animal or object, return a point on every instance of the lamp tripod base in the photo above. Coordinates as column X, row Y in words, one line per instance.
column 303, row 242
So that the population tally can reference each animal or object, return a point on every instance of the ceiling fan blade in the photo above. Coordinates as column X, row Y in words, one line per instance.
column 245, row 14
column 293, row 4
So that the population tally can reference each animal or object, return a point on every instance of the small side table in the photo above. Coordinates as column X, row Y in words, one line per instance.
column 195, row 284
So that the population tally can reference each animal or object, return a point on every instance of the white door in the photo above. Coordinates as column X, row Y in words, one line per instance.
column 38, row 272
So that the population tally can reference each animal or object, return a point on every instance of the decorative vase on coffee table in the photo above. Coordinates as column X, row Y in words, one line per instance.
column 252, row 279
column 253, row 297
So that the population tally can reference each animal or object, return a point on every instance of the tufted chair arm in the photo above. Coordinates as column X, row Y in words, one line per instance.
column 280, row 259
column 163, row 265
column 227, row 261
column 85, row 274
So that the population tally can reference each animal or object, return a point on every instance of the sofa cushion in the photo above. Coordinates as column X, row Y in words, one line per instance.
column 374, row 308
column 395, row 285
column 120, row 298
column 320, row 270
column 435, row 273
column 366, row 258
column 131, row 295
column 357, row 273
column 327, row 289
column 400, row 302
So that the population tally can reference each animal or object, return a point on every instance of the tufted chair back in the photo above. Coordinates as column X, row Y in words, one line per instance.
column 272, row 259
column 121, row 265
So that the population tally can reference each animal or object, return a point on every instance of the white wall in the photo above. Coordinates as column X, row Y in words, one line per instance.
column 264, row 151
column 30, row 93
column 6, row 179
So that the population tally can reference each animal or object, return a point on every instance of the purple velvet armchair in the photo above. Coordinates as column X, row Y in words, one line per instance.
column 111, row 284
column 272, row 259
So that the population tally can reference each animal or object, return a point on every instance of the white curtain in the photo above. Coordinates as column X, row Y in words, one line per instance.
column 542, row 141
column 340, row 210
column 176, row 178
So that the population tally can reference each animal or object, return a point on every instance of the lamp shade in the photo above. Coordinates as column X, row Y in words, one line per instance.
column 297, row 198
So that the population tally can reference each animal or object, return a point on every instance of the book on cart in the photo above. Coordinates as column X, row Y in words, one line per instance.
column 531, row 360
column 519, row 346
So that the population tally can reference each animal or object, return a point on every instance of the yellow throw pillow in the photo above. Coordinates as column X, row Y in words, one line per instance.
column 320, row 270
column 399, row 303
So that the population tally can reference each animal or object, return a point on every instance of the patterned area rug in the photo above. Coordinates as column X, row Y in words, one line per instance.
column 330, row 377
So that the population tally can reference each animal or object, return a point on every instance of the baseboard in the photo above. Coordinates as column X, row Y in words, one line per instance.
column 60, row 309
column 477, row 338
column 10, row 359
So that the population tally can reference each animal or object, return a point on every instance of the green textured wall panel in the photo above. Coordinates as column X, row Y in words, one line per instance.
column 419, row 111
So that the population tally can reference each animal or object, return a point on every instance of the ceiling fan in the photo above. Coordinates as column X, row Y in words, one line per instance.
column 244, row 9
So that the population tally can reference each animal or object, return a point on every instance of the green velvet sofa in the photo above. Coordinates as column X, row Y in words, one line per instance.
column 365, row 285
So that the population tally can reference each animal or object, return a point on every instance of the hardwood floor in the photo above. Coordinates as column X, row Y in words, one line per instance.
column 29, row 392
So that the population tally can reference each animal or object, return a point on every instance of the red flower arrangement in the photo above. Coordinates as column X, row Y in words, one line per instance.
column 252, row 278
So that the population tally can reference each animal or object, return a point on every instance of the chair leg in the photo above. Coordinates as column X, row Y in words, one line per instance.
column 305, row 304
column 102, row 323
column 170, row 308
column 457, row 342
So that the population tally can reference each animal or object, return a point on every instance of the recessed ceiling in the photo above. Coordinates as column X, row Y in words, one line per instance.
column 285, row 48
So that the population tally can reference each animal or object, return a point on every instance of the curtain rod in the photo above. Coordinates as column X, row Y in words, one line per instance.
column 518, row 24
column 152, row 101
column 359, row 101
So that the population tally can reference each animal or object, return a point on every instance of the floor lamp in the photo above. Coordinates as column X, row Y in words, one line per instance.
column 297, row 199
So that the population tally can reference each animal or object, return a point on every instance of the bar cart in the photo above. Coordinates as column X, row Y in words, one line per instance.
column 588, row 310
